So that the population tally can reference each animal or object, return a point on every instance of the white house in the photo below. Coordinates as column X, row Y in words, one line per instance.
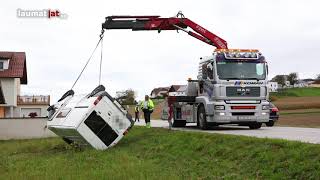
column 159, row 92
column 13, row 73
column 178, row 90
column 300, row 84
column 273, row 86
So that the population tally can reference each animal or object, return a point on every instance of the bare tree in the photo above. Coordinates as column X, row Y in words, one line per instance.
column 126, row 97
column 280, row 79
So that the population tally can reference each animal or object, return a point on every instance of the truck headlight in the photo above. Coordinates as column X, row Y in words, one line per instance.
column 265, row 107
column 219, row 107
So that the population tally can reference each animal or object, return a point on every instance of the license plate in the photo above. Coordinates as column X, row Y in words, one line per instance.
column 241, row 118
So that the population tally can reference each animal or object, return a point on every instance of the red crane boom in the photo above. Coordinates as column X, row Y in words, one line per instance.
column 137, row 23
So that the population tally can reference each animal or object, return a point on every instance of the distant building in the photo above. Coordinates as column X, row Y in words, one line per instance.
column 159, row 92
column 315, row 84
column 13, row 73
column 308, row 81
column 287, row 84
column 273, row 86
column 300, row 84
column 178, row 90
column 174, row 88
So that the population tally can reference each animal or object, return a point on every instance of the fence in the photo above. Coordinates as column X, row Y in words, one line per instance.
column 33, row 100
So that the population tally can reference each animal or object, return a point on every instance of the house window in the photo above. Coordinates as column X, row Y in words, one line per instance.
column 4, row 64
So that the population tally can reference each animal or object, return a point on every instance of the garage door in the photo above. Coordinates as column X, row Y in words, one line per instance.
column 30, row 112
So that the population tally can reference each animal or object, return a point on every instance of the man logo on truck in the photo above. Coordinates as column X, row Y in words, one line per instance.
column 243, row 91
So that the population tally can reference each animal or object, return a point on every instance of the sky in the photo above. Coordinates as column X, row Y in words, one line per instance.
column 287, row 32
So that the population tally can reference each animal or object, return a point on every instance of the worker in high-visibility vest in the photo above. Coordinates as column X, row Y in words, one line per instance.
column 137, row 113
column 147, row 107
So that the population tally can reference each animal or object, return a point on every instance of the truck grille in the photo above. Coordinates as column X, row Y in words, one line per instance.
column 243, row 91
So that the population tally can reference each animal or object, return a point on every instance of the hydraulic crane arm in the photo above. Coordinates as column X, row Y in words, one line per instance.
column 136, row 23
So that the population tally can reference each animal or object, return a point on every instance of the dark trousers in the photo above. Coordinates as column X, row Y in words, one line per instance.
column 147, row 114
column 136, row 117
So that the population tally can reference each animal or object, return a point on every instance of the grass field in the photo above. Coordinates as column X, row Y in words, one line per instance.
column 297, row 92
column 161, row 154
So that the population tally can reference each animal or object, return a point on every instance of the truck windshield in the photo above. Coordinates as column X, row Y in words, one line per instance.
column 241, row 70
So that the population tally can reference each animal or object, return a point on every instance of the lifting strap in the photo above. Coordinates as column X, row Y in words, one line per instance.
column 99, row 42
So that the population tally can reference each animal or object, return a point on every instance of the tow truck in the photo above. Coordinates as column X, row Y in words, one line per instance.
column 231, row 86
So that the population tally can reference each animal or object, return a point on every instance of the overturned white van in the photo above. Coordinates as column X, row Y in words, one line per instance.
column 94, row 119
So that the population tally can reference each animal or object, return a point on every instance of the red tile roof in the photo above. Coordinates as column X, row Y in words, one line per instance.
column 159, row 89
column 174, row 88
column 316, row 82
column 17, row 66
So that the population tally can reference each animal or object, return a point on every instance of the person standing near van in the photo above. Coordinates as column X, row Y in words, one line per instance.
column 137, row 113
column 147, row 107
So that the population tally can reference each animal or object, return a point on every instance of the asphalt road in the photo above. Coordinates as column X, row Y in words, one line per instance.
column 309, row 135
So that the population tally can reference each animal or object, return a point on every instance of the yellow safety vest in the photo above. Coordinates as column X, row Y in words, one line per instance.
column 150, row 105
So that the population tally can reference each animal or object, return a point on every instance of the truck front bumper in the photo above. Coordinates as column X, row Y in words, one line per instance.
column 234, row 116
column 219, row 118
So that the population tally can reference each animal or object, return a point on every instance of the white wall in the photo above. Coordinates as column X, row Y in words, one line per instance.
column 25, row 128
column 9, row 88
column 18, row 86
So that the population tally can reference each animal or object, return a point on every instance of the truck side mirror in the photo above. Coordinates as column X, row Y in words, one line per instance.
column 210, row 70
column 204, row 71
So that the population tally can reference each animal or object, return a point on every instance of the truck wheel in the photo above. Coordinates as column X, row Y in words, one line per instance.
column 255, row 125
column 179, row 123
column 202, row 118
column 270, row 123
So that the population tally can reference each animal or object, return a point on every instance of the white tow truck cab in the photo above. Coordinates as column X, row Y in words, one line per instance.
column 94, row 119
column 231, row 88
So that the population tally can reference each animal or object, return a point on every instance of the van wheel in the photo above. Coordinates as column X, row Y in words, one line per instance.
column 202, row 118
column 255, row 125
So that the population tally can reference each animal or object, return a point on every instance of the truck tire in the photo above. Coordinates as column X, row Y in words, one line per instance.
column 270, row 123
column 179, row 123
column 202, row 118
column 255, row 125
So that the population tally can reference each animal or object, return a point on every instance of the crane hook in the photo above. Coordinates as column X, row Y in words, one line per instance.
column 180, row 14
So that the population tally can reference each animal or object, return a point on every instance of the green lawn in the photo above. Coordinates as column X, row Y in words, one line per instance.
column 297, row 92
column 161, row 154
